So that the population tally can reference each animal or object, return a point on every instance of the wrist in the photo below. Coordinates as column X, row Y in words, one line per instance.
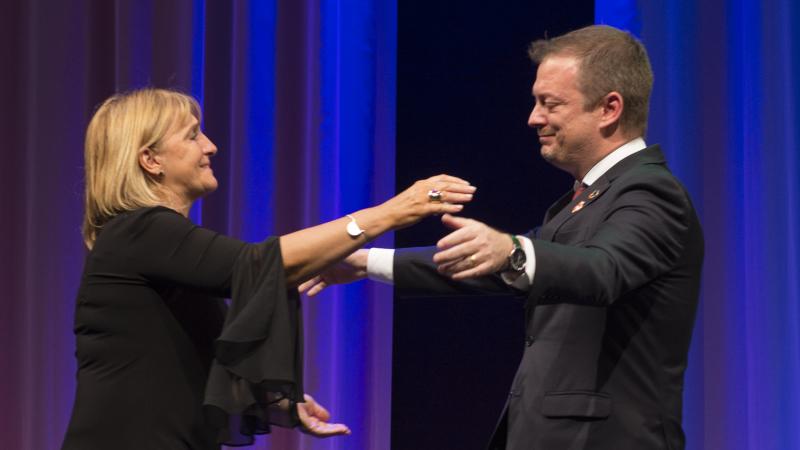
column 516, row 260
column 372, row 222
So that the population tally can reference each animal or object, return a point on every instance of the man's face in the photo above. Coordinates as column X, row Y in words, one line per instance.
column 567, row 131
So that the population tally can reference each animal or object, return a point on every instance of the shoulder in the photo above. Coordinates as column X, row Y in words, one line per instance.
column 131, row 225
column 654, row 179
column 653, row 191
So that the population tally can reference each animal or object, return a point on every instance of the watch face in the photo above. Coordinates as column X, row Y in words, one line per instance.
column 353, row 229
column 517, row 259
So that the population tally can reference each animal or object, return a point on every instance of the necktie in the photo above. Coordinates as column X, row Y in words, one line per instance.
column 578, row 188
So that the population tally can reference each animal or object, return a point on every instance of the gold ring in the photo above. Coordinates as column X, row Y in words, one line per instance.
column 435, row 196
column 472, row 260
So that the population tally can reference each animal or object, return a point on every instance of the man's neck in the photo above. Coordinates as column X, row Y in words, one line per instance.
column 603, row 149
column 611, row 159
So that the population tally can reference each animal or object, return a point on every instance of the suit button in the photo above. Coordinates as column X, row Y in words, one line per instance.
column 529, row 340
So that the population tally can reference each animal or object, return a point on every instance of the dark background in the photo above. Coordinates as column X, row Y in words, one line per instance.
column 463, row 99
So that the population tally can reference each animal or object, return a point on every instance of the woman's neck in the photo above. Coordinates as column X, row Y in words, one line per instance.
column 174, row 201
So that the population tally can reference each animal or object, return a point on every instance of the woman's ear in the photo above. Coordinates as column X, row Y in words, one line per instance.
column 148, row 159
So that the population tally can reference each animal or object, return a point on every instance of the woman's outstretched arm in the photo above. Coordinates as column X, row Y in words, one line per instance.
column 309, row 251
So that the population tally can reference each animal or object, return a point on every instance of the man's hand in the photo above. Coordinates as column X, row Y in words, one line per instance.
column 353, row 268
column 314, row 420
column 472, row 250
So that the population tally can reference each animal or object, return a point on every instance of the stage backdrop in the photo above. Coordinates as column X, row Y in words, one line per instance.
column 725, row 108
column 298, row 96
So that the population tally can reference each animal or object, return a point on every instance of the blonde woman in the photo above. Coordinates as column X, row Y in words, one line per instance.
column 162, row 362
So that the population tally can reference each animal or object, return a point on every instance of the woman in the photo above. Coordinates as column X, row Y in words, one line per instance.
column 162, row 365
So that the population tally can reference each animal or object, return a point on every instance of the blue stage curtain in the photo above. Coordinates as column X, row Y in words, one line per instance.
column 299, row 97
column 725, row 107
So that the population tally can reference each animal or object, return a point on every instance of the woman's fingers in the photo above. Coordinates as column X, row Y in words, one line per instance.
column 450, row 192
column 455, row 187
column 448, row 178
column 314, row 419
column 452, row 197
column 446, row 208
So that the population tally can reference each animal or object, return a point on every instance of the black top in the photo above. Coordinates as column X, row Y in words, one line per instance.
column 151, row 328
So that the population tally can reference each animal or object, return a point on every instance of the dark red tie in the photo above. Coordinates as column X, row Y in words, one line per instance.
column 578, row 190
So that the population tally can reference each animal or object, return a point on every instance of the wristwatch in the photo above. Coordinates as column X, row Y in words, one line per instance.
column 352, row 227
column 517, row 258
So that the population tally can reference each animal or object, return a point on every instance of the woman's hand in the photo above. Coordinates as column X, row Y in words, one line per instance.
column 353, row 268
column 314, row 420
column 420, row 200
column 310, row 251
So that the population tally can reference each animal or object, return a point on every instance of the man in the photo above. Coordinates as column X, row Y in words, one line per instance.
column 611, row 277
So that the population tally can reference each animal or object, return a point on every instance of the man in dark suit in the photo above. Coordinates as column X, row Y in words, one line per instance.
column 611, row 277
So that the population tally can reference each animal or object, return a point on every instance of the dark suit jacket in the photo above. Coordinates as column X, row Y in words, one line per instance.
column 609, row 314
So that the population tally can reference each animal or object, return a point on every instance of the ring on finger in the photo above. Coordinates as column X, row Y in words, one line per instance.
column 472, row 260
column 435, row 196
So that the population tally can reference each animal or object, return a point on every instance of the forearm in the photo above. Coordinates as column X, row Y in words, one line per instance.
column 415, row 275
column 308, row 252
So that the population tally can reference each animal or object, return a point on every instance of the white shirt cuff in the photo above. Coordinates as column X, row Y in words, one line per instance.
column 380, row 265
column 523, row 283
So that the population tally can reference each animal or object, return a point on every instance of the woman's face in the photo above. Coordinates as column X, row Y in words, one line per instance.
column 185, row 157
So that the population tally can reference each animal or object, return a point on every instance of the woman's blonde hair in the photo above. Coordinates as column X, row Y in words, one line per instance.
column 122, row 126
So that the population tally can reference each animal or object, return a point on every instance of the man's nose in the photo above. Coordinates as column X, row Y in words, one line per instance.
column 536, row 119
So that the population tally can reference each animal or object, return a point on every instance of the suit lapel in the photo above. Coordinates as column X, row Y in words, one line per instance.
column 574, row 208
column 563, row 210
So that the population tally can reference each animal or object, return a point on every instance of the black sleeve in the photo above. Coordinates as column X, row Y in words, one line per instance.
column 258, row 355
column 166, row 248
column 415, row 275
column 642, row 236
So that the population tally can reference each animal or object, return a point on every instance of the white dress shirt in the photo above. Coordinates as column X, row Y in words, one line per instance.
column 380, row 261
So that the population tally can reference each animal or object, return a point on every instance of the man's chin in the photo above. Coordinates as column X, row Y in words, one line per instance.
column 547, row 153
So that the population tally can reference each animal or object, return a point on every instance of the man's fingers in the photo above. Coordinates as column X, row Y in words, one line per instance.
column 313, row 286
column 317, row 289
column 453, row 254
column 477, row 271
column 308, row 284
column 454, row 222
column 456, row 265
column 455, row 238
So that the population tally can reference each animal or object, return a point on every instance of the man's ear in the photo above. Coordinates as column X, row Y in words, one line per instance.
column 612, row 106
column 149, row 161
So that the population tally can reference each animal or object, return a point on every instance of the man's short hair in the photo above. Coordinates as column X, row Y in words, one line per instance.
column 609, row 60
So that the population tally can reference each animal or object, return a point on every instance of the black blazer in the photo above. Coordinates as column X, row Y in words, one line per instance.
column 609, row 314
